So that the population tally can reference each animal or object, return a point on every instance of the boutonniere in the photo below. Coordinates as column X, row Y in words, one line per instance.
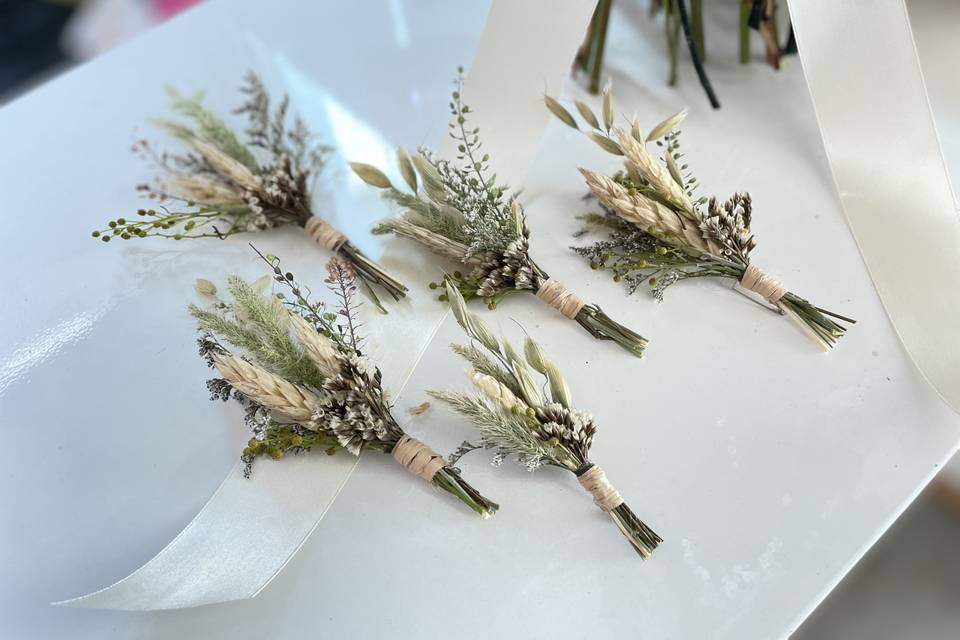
column 220, row 185
column 536, row 422
column 659, row 233
column 459, row 211
column 298, row 369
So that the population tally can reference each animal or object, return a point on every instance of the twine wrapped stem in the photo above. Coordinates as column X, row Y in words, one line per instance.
column 324, row 234
column 604, row 494
column 417, row 458
column 560, row 298
column 767, row 287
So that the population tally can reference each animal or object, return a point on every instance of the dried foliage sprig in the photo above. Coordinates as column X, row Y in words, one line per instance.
column 221, row 185
column 459, row 211
column 659, row 234
column 300, row 374
column 537, row 423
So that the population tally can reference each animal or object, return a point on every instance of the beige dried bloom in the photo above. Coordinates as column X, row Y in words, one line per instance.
column 318, row 347
column 496, row 391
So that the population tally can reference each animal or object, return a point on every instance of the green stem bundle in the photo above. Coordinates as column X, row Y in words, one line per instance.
column 370, row 273
column 602, row 327
column 450, row 480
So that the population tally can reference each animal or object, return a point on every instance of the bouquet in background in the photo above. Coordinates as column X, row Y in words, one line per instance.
column 221, row 186
column 459, row 211
column 659, row 234
column 535, row 422
column 757, row 15
column 304, row 383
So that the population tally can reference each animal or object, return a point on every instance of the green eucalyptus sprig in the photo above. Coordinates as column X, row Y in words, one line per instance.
column 297, row 368
column 222, row 185
column 659, row 232
column 458, row 210
column 536, row 422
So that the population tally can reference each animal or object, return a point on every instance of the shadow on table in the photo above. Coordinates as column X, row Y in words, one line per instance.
column 907, row 586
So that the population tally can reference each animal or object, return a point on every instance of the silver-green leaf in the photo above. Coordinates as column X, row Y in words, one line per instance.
column 406, row 169
column 587, row 114
column 608, row 105
column 559, row 390
column 371, row 175
column 534, row 355
column 607, row 144
column 635, row 131
column 562, row 114
column 432, row 181
column 666, row 126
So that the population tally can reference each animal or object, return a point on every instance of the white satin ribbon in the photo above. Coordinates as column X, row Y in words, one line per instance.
column 251, row 528
column 861, row 66
column 526, row 49
column 239, row 541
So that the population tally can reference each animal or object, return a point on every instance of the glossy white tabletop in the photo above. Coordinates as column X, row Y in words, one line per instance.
column 768, row 467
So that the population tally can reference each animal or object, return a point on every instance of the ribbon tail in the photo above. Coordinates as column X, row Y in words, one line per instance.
column 239, row 541
column 890, row 175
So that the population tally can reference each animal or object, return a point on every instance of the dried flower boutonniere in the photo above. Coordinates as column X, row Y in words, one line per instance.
column 535, row 422
column 460, row 212
column 658, row 234
column 314, row 391
column 221, row 186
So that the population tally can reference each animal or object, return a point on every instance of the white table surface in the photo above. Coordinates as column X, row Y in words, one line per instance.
column 769, row 468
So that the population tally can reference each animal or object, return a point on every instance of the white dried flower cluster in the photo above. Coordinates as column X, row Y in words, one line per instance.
column 569, row 426
column 362, row 364
column 347, row 414
column 512, row 269
column 729, row 225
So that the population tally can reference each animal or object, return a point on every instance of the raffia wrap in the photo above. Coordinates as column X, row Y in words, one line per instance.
column 760, row 283
column 604, row 494
column 560, row 298
column 418, row 458
column 324, row 234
